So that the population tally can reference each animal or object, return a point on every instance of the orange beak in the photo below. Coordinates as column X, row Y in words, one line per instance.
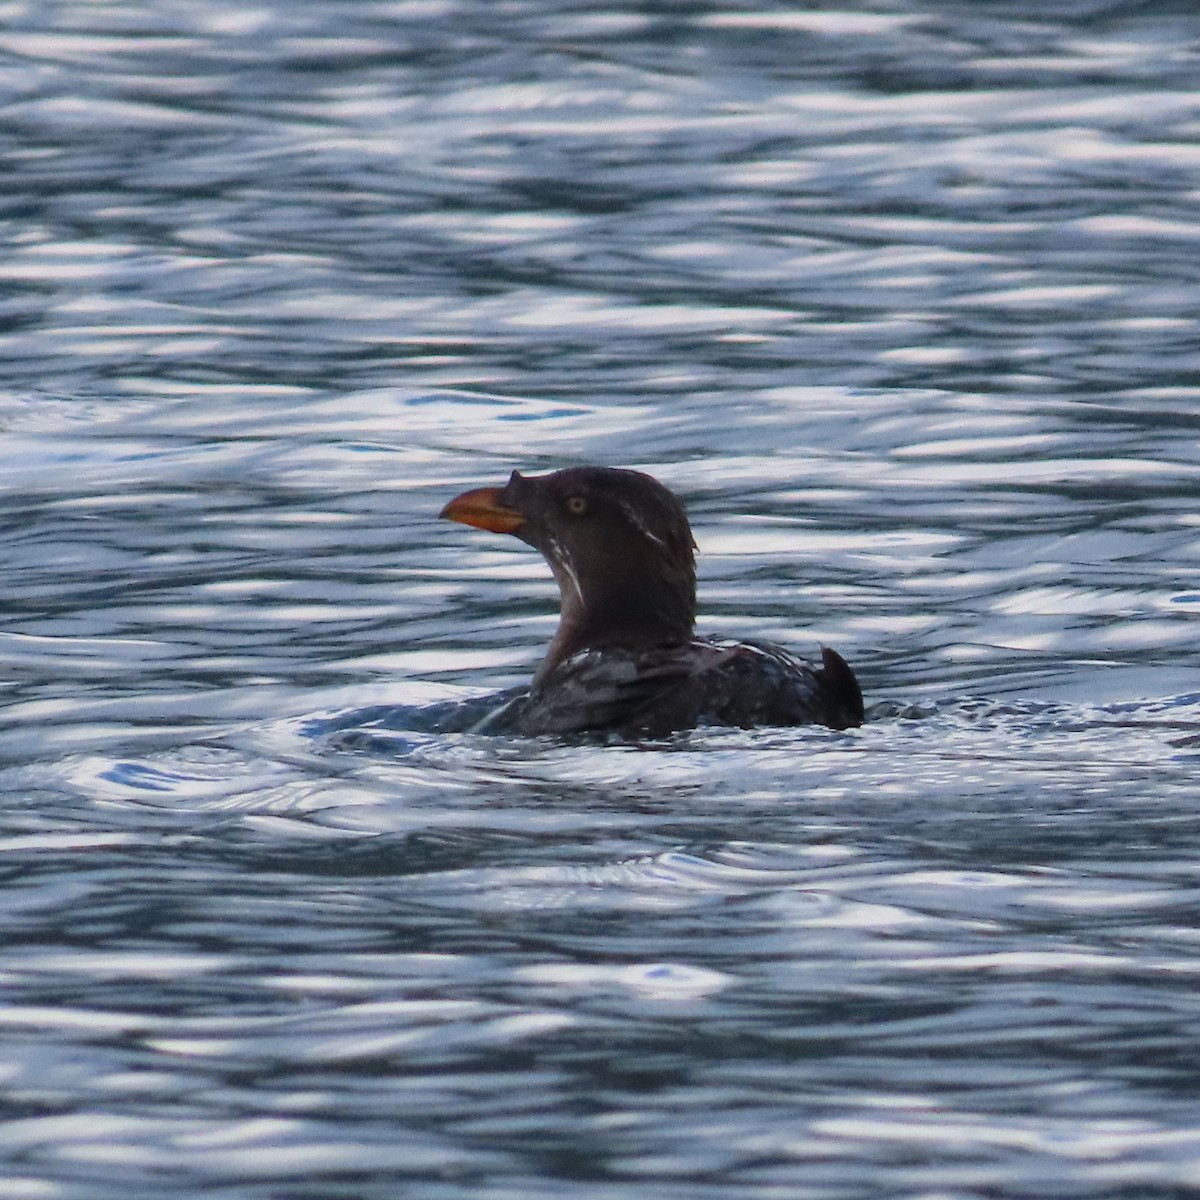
column 482, row 509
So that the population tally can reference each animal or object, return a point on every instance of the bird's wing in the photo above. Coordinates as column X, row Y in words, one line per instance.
column 647, row 693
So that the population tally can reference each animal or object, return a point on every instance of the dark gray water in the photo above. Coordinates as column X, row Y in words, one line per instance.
column 902, row 299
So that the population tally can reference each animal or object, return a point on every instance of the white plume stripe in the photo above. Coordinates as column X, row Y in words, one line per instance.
column 558, row 559
column 636, row 521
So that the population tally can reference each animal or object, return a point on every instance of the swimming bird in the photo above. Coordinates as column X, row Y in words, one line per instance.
column 625, row 657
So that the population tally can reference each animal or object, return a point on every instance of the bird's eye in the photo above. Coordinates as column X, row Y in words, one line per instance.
column 576, row 506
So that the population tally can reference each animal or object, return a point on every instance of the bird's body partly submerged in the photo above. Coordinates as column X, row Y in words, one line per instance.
column 625, row 658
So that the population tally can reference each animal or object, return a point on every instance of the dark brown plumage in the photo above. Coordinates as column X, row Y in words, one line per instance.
column 624, row 657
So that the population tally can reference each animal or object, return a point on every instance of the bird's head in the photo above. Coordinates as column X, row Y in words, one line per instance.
column 618, row 543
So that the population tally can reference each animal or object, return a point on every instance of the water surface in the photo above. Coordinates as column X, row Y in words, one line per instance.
column 900, row 299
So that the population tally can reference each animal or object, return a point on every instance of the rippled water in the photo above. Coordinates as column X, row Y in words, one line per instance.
column 902, row 299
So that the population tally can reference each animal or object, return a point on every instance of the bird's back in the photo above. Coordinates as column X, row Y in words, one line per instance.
column 653, row 692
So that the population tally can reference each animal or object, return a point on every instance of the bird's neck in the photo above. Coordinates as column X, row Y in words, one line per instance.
column 602, row 615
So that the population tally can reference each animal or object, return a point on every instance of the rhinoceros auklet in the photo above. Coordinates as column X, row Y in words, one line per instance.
column 624, row 658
